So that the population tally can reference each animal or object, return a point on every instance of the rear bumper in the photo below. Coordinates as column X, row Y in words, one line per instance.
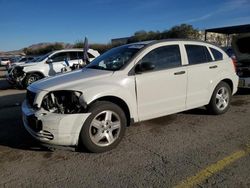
column 244, row 82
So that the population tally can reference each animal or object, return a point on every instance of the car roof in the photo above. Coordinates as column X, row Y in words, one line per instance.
column 170, row 40
column 152, row 42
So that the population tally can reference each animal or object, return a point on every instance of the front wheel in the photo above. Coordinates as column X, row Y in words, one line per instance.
column 104, row 128
column 220, row 100
column 30, row 78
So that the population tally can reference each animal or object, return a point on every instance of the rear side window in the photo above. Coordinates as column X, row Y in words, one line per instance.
column 80, row 55
column 73, row 55
column 164, row 57
column 197, row 54
column 217, row 55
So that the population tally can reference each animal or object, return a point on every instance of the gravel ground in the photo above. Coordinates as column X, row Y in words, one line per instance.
column 158, row 153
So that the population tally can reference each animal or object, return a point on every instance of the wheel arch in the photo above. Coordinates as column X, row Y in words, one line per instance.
column 118, row 101
column 35, row 72
column 226, row 80
column 229, row 82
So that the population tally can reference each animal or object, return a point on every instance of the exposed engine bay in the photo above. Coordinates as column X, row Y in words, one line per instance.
column 64, row 102
column 17, row 74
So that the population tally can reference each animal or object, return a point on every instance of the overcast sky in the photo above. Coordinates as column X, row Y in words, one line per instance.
column 26, row 22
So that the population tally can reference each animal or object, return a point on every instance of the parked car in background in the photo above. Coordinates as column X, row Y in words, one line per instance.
column 241, row 47
column 20, row 61
column 47, row 65
column 130, row 83
column 4, row 61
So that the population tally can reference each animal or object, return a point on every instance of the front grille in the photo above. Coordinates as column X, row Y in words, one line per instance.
column 30, row 96
column 46, row 134
column 34, row 123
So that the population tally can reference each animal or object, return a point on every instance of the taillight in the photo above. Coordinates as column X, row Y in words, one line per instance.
column 234, row 63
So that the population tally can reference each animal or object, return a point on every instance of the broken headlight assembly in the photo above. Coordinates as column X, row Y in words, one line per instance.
column 18, row 72
column 64, row 102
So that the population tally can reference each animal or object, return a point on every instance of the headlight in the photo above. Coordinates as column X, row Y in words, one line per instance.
column 64, row 102
column 18, row 71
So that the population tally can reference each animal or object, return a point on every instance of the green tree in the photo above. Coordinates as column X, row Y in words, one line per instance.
column 43, row 50
column 183, row 31
column 78, row 44
column 179, row 31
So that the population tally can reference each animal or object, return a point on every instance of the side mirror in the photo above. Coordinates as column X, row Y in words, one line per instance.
column 144, row 67
column 49, row 61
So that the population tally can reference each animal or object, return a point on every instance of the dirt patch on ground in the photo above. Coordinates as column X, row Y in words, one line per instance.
column 156, row 124
column 239, row 102
column 10, row 156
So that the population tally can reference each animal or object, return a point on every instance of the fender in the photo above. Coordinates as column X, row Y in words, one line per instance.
column 35, row 69
column 111, row 90
column 32, row 72
column 223, row 76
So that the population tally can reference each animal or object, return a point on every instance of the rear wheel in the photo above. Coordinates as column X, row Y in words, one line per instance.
column 104, row 128
column 221, row 98
column 30, row 78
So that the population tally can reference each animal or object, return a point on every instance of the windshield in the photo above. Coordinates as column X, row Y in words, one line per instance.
column 22, row 59
column 34, row 60
column 43, row 57
column 115, row 58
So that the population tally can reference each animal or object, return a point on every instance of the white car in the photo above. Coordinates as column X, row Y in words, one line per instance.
column 21, row 61
column 127, row 84
column 4, row 61
column 47, row 65
column 241, row 49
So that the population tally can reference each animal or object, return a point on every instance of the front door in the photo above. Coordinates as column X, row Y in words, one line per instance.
column 161, row 91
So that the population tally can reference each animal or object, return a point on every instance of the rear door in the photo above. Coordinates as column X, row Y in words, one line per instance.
column 73, row 58
column 163, row 90
column 202, row 69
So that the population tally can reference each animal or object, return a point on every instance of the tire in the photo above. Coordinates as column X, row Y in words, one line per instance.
column 220, row 100
column 104, row 128
column 30, row 78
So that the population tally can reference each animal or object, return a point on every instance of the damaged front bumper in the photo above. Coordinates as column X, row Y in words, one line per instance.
column 15, row 76
column 53, row 128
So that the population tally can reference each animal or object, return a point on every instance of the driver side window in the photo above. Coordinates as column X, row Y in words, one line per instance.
column 164, row 57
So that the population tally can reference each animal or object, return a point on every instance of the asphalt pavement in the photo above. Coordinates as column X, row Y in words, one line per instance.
column 188, row 149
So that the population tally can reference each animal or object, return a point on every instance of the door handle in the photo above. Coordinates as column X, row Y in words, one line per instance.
column 179, row 73
column 213, row 67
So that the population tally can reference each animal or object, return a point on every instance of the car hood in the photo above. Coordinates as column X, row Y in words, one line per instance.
column 74, row 80
column 18, row 63
column 24, row 64
column 240, row 45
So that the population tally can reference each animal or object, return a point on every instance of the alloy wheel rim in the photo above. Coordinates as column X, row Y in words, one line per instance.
column 222, row 98
column 32, row 79
column 105, row 128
